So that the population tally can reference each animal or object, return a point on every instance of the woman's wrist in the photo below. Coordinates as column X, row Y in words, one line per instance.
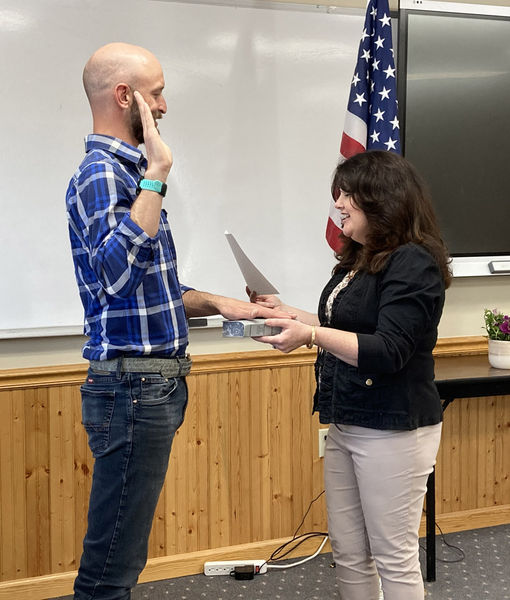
column 312, row 342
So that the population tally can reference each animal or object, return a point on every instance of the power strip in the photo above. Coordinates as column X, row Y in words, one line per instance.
column 225, row 567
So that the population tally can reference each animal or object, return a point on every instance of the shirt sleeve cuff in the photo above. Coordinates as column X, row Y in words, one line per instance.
column 370, row 355
column 135, row 234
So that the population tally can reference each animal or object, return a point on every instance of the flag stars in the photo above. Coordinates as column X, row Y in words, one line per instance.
column 379, row 115
column 379, row 42
column 391, row 144
column 366, row 55
column 385, row 20
column 390, row 72
column 384, row 93
column 375, row 136
column 373, row 91
column 360, row 99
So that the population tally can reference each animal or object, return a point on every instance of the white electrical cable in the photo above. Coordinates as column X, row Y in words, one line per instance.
column 301, row 561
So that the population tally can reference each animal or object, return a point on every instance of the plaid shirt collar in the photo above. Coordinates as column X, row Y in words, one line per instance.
column 116, row 147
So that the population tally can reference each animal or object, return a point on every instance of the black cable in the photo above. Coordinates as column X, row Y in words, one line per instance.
column 461, row 553
column 306, row 513
column 299, row 540
column 295, row 538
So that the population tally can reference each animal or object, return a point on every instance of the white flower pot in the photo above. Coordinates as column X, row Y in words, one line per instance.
column 499, row 354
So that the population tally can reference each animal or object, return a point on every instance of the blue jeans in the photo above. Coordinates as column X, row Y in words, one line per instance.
column 131, row 419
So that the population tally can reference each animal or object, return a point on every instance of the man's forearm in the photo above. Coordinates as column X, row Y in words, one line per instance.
column 200, row 304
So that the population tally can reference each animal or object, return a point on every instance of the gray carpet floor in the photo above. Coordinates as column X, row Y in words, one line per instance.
column 477, row 569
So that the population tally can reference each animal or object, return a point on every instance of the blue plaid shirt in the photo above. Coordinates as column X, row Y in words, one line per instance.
column 127, row 280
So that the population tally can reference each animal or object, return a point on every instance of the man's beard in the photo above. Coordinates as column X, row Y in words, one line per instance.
column 136, row 122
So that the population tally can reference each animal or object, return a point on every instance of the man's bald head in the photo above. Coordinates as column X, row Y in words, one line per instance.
column 111, row 76
column 112, row 64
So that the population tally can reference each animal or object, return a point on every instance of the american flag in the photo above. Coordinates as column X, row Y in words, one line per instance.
column 371, row 121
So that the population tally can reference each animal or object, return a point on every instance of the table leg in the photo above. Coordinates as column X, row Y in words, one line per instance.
column 430, row 515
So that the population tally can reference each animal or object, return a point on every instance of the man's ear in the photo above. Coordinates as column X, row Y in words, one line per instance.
column 123, row 95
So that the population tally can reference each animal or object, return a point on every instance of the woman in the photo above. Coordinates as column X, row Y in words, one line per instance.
column 375, row 330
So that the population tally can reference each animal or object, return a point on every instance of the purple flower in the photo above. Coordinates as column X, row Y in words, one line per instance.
column 505, row 325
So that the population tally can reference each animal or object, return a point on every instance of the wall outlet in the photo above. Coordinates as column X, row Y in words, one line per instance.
column 323, row 435
column 225, row 567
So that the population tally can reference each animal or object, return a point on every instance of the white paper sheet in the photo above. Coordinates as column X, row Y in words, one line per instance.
column 253, row 277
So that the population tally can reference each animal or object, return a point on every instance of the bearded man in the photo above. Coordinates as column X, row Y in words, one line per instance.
column 136, row 310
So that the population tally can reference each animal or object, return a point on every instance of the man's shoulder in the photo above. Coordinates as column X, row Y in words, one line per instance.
column 98, row 159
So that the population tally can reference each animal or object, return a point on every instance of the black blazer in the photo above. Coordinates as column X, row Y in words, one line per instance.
column 395, row 314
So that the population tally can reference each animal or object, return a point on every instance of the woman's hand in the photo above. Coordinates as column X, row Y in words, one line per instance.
column 266, row 300
column 294, row 334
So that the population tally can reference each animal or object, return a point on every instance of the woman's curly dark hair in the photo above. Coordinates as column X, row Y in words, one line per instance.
column 398, row 208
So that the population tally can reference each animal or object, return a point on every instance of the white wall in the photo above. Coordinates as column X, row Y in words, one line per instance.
column 465, row 301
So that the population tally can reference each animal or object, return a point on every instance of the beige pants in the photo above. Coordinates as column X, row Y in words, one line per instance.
column 375, row 484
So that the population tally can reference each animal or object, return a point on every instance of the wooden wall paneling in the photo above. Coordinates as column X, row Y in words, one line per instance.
column 242, row 440
column 83, row 468
column 502, row 450
column 300, row 455
column 7, row 498
column 61, row 472
column 481, row 445
column 19, row 549
column 37, row 471
column 444, row 466
column 177, row 483
column 260, row 402
column 243, row 470
column 469, row 455
column 192, row 470
column 202, row 453
column 279, row 447
column 239, row 440
column 218, row 434
column 455, row 451
column 304, row 459
column 490, row 429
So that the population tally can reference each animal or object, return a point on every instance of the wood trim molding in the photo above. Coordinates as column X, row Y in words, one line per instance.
column 11, row 379
column 466, row 520
column 461, row 346
column 208, row 363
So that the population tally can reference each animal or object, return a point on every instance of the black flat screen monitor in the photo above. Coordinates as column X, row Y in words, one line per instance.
column 454, row 98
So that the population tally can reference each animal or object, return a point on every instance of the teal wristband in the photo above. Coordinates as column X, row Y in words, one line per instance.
column 153, row 185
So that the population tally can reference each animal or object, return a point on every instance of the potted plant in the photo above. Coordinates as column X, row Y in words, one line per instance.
column 497, row 325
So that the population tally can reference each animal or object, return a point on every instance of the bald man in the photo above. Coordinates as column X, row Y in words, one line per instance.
column 135, row 394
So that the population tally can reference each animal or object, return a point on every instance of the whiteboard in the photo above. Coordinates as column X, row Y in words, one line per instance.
column 256, row 101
